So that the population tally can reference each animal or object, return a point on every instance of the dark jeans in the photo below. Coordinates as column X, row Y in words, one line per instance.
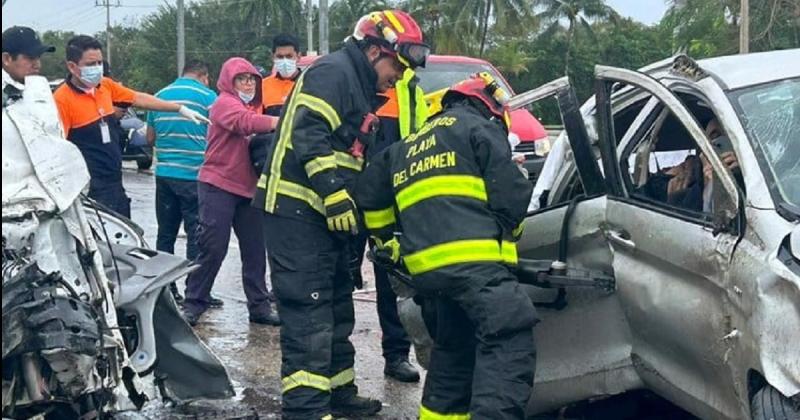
column 219, row 211
column 176, row 202
column 112, row 195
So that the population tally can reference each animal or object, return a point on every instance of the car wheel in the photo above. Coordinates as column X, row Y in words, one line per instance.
column 769, row 404
column 144, row 163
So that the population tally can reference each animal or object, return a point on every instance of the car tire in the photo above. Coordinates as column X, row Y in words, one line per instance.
column 144, row 163
column 769, row 404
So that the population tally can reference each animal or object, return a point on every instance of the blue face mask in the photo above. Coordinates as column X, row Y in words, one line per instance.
column 245, row 97
column 286, row 67
column 92, row 75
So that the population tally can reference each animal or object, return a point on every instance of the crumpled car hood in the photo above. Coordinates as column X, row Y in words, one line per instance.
column 42, row 172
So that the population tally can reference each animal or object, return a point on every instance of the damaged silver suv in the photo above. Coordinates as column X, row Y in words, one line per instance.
column 661, row 255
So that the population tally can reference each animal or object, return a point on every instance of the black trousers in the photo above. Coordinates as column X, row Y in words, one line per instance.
column 176, row 203
column 112, row 195
column 484, row 357
column 314, row 291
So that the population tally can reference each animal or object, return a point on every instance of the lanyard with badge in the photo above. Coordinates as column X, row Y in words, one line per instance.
column 104, row 131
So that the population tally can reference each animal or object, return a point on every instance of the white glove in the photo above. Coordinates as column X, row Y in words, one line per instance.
column 193, row 115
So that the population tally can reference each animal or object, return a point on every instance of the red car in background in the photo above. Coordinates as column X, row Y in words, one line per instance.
column 442, row 71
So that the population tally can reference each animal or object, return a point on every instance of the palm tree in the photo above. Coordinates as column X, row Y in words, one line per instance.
column 457, row 26
column 575, row 12
column 344, row 14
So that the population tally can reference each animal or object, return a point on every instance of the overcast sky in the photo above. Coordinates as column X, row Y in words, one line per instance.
column 84, row 17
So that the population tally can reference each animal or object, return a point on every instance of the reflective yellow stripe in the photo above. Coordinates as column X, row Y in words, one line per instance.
column 346, row 160
column 394, row 21
column 336, row 197
column 284, row 141
column 320, row 164
column 326, row 417
column 321, row 107
column 508, row 252
column 456, row 252
column 426, row 413
column 376, row 219
column 301, row 193
column 343, row 378
column 458, row 185
column 306, row 379
column 517, row 232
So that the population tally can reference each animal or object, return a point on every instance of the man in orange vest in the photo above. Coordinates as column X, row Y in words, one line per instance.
column 276, row 88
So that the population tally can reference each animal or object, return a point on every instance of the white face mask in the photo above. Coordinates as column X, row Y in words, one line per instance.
column 286, row 67
column 246, row 97
column 92, row 75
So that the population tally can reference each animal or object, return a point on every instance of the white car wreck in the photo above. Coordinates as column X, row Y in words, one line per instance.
column 89, row 327
column 689, row 289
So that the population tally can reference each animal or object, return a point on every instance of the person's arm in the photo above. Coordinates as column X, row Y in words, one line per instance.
column 125, row 96
column 232, row 115
column 507, row 189
column 374, row 195
column 151, row 135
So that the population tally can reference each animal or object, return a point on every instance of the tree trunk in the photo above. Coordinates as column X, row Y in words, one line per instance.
column 569, row 46
column 485, row 26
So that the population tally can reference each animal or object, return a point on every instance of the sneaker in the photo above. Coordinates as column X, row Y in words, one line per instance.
column 354, row 406
column 401, row 370
column 266, row 319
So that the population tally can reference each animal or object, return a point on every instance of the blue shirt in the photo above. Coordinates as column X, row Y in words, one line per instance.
column 181, row 143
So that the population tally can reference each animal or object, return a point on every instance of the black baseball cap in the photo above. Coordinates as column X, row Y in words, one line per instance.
column 23, row 40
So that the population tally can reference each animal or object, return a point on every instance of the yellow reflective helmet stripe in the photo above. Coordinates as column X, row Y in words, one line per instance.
column 343, row 378
column 426, row 413
column 394, row 21
column 301, row 193
column 319, row 164
column 376, row 219
column 453, row 185
column 284, row 141
column 456, row 252
column 321, row 107
column 306, row 379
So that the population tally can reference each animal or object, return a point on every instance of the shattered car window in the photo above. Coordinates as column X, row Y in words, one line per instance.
column 771, row 116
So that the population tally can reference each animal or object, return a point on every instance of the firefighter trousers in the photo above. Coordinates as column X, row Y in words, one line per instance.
column 483, row 359
column 314, row 291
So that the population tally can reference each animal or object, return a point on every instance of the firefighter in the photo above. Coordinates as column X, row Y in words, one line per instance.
column 310, row 220
column 450, row 201
column 403, row 113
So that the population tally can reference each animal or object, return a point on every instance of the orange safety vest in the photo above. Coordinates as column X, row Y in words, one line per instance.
column 274, row 91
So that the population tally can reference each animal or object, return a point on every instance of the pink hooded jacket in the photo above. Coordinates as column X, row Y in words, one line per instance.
column 227, row 159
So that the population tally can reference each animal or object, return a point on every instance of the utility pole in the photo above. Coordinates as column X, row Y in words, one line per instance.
column 181, row 48
column 323, row 27
column 744, row 28
column 108, row 5
column 310, row 28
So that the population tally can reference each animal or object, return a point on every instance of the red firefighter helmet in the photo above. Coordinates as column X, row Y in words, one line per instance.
column 483, row 87
column 396, row 33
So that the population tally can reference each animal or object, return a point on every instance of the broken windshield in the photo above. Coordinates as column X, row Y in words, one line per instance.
column 771, row 116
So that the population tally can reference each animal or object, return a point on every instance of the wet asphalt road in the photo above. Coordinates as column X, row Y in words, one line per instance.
column 251, row 353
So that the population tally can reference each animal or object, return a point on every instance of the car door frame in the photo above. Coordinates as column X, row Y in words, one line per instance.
column 637, row 271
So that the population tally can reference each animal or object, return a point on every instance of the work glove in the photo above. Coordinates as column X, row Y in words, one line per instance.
column 516, row 234
column 388, row 252
column 340, row 212
column 193, row 115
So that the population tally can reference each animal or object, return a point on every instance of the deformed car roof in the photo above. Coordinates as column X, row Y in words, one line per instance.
column 737, row 71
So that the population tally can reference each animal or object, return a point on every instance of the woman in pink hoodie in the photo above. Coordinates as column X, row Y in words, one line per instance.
column 226, row 185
